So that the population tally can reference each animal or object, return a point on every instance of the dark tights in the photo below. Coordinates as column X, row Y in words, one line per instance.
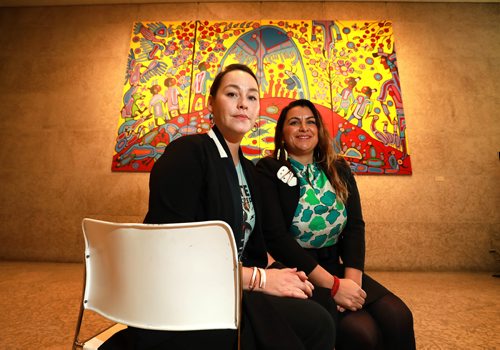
column 385, row 324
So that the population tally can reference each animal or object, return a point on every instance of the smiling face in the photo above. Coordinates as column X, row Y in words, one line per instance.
column 235, row 106
column 300, row 133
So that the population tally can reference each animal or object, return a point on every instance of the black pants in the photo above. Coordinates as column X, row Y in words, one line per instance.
column 268, row 323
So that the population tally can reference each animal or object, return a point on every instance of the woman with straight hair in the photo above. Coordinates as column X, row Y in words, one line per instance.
column 206, row 177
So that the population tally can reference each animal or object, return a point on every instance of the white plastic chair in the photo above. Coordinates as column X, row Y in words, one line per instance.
column 163, row 277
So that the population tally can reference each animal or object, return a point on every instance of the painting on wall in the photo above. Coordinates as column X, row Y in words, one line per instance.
column 347, row 68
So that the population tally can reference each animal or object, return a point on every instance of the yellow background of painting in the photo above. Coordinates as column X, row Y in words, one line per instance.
column 325, row 71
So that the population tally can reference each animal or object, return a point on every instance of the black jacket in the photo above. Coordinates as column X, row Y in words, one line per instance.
column 195, row 180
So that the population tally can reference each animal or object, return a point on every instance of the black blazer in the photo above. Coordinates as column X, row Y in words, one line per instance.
column 195, row 180
column 280, row 201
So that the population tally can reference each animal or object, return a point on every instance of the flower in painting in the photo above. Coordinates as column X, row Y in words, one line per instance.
column 178, row 61
column 204, row 44
column 212, row 58
column 171, row 47
column 183, row 82
column 219, row 46
column 344, row 67
column 184, row 43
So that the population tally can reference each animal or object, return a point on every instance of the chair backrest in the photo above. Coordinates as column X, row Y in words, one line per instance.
column 164, row 277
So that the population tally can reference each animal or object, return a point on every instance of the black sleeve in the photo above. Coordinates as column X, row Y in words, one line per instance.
column 352, row 238
column 280, row 243
column 175, row 183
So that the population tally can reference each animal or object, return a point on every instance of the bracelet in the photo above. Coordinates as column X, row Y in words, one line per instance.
column 262, row 282
column 251, row 286
column 335, row 287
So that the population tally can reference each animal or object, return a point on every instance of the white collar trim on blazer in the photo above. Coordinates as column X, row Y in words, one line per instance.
column 222, row 151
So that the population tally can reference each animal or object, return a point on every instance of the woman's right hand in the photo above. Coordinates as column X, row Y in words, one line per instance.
column 350, row 296
column 287, row 283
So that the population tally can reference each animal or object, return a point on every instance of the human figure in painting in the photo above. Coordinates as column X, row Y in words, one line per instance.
column 347, row 96
column 172, row 95
column 363, row 106
column 391, row 88
column 200, row 86
column 313, row 221
column 157, row 105
column 280, row 308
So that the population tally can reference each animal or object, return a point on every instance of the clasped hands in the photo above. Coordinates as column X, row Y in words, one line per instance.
column 289, row 282
column 292, row 283
column 349, row 296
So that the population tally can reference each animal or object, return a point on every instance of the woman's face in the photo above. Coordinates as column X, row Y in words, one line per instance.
column 235, row 107
column 300, row 133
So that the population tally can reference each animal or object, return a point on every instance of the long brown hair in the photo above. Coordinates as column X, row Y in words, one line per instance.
column 324, row 153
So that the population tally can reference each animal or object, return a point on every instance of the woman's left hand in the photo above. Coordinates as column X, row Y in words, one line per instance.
column 287, row 283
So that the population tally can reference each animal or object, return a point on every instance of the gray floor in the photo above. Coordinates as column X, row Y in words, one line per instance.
column 39, row 303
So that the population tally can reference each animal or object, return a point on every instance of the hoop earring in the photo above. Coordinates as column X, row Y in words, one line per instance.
column 255, row 127
column 278, row 154
column 211, row 119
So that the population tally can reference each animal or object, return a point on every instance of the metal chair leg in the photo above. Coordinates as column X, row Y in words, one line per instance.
column 77, row 344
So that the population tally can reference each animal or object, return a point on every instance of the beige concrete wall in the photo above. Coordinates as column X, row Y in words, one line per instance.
column 61, row 75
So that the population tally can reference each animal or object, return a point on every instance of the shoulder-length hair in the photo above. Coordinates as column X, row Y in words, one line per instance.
column 324, row 153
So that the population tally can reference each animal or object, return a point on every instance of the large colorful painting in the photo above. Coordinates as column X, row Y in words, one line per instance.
column 347, row 68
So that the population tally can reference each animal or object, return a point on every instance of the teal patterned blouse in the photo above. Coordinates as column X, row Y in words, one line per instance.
column 320, row 217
